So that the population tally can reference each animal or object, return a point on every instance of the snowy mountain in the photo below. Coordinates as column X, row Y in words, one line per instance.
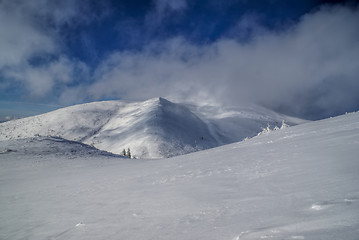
column 154, row 128
column 300, row 182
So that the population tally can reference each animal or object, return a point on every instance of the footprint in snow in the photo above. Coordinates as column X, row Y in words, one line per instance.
column 297, row 237
column 80, row 224
column 318, row 207
column 240, row 235
column 326, row 204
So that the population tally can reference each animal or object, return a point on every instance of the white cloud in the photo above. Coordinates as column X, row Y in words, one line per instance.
column 29, row 29
column 39, row 81
column 311, row 66
column 276, row 69
column 19, row 39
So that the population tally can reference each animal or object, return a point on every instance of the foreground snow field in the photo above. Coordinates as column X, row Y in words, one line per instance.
column 300, row 182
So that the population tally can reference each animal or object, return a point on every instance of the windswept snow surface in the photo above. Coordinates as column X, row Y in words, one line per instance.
column 155, row 128
column 300, row 182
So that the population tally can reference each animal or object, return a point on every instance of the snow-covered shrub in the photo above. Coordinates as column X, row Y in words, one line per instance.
column 265, row 130
column 284, row 125
column 268, row 129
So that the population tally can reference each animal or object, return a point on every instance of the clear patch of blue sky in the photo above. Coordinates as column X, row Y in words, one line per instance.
column 127, row 28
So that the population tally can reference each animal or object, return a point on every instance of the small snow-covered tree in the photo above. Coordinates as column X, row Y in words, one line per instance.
column 124, row 152
column 284, row 125
column 265, row 130
column 128, row 152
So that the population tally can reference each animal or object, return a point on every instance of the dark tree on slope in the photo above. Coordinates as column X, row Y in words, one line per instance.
column 128, row 152
column 124, row 152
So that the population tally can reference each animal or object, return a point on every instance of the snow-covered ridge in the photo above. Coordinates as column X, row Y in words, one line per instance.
column 154, row 128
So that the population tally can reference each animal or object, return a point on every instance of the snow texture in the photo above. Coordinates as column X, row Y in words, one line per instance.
column 155, row 128
column 300, row 182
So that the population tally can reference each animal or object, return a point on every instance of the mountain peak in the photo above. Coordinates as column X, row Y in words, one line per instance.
column 159, row 100
column 155, row 128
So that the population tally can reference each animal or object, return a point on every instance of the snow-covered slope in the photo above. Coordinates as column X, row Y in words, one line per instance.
column 55, row 146
column 300, row 182
column 151, row 129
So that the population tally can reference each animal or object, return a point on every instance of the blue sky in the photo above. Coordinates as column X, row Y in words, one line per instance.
column 297, row 57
